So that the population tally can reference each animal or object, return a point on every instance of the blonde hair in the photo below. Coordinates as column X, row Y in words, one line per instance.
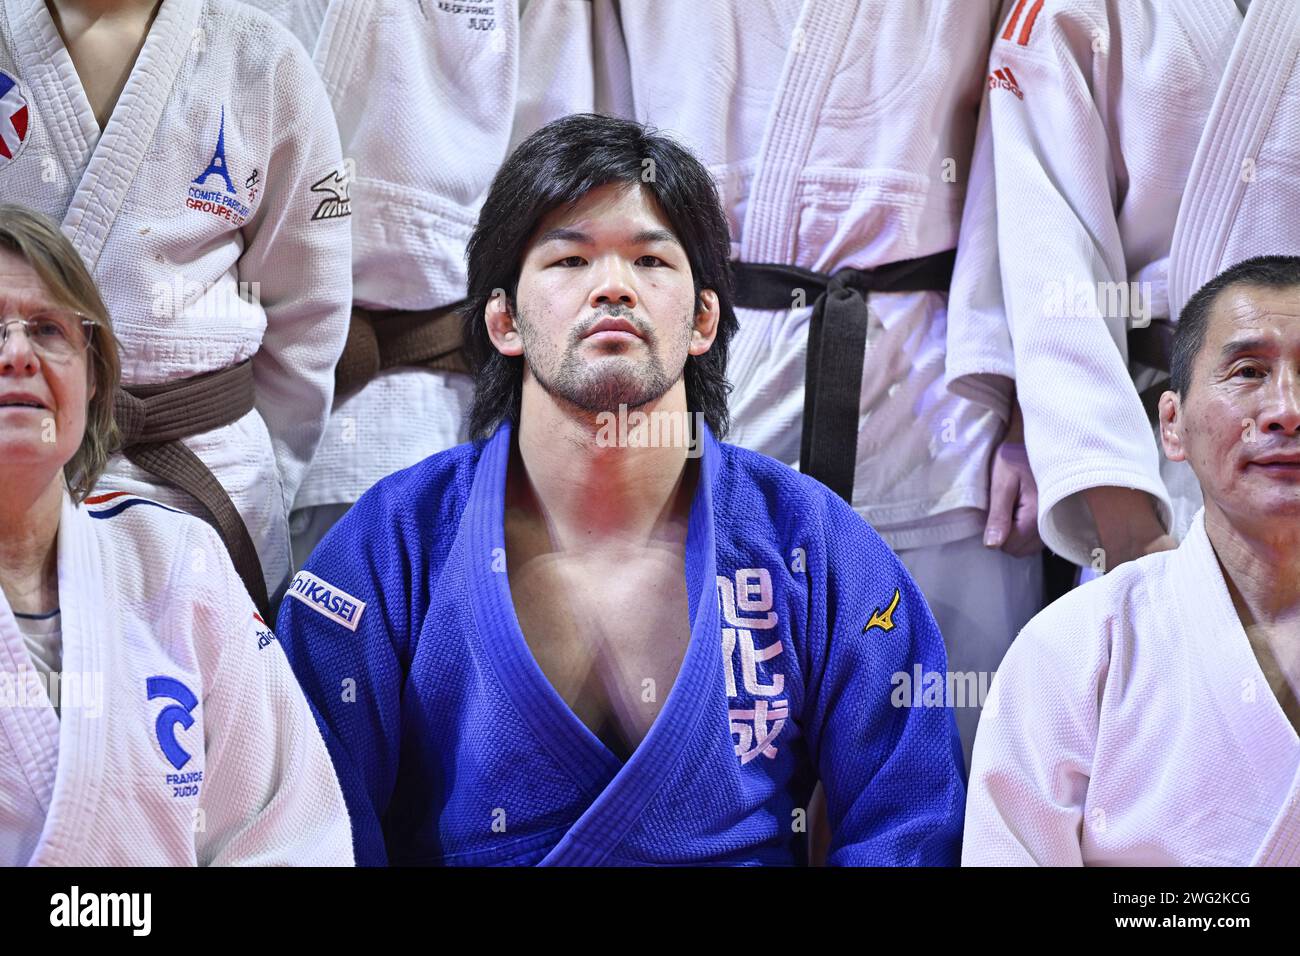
column 37, row 240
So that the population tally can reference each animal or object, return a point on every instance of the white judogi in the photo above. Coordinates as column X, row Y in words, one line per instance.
column 1130, row 724
column 213, row 79
column 424, row 97
column 572, row 59
column 183, row 737
column 1159, row 153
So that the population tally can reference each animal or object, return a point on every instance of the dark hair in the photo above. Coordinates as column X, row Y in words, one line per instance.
column 556, row 166
column 1271, row 272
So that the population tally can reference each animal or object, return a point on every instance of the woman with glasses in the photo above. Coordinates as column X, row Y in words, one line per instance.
column 188, row 150
column 147, row 714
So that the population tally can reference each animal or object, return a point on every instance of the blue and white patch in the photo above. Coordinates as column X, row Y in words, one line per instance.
column 324, row 598
column 180, row 713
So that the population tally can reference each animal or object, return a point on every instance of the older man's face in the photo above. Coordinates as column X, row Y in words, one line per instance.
column 1238, row 424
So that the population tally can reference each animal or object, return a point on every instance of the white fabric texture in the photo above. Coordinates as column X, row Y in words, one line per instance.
column 146, row 592
column 1130, row 725
column 980, row 364
column 572, row 59
column 170, row 274
column 979, row 609
column 43, row 635
column 794, row 108
column 423, row 94
column 1134, row 142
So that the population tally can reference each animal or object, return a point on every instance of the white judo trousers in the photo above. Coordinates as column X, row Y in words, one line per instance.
column 795, row 108
column 1113, row 202
column 208, row 212
column 424, row 98
column 183, row 738
column 1131, row 725
column 980, row 599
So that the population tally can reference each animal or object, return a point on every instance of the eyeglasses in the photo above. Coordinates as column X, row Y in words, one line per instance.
column 55, row 335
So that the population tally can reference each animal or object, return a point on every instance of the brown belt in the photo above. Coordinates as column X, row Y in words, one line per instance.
column 378, row 341
column 154, row 418
column 1153, row 346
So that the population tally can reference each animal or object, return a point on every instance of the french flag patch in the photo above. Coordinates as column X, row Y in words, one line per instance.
column 14, row 119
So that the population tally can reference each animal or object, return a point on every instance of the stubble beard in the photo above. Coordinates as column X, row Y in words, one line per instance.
column 611, row 381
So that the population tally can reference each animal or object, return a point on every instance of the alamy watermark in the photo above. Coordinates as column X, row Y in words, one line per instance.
column 66, row 690
column 657, row 429
column 183, row 298
column 1072, row 299
column 922, row 688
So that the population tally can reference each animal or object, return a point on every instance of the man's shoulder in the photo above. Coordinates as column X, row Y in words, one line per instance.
column 440, row 468
column 389, row 547
column 758, row 487
column 1128, row 584
column 1084, row 626
column 423, row 496
column 145, row 524
column 778, row 483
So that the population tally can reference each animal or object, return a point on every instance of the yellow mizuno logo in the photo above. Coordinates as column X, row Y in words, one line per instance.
column 883, row 621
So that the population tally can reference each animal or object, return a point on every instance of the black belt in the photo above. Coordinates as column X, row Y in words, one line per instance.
column 837, row 343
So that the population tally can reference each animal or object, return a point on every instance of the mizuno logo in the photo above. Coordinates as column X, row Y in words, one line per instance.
column 884, row 621
column 337, row 202
column 324, row 598
column 1027, row 27
column 1004, row 79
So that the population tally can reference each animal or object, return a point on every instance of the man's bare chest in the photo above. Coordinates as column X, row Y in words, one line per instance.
column 608, row 632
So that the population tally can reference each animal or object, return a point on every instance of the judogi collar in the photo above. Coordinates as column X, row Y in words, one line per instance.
column 63, row 760
column 620, row 791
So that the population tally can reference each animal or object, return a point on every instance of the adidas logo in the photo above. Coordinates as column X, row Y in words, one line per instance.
column 1004, row 79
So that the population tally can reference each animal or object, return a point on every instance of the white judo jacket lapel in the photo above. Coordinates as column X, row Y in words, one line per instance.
column 29, row 745
column 769, row 233
column 1230, row 187
column 98, row 170
column 54, row 765
column 1262, row 778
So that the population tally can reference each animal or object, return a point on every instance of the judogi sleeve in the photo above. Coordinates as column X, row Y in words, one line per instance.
column 343, row 624
column 1034, row 749
column 298, row 249
column 1057, row 194
column 890, row 764
column 269, row 794
column 979, row 364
